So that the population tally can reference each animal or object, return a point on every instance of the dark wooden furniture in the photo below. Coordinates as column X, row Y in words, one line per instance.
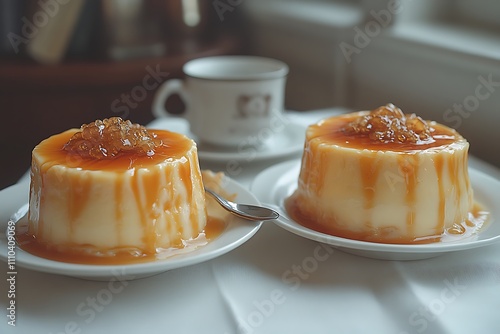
column 37, row 101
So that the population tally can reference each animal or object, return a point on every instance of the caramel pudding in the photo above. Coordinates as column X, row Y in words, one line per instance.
column 384, row 176
column 114, row 187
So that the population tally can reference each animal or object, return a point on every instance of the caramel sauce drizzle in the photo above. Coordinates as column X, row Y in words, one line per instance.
column 369, row 176
column 174, row 146
column 408, row 165
column 187, row 178
column 119, row 209
column 331, row 131
column 439, row 164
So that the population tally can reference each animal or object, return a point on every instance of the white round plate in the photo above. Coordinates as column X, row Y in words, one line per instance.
column 278, row 182
column 236, row 233
column 286, row 141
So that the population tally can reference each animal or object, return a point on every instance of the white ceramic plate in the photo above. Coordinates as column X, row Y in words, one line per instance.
column 286, row 141
column 236, row 233
column 278, row 182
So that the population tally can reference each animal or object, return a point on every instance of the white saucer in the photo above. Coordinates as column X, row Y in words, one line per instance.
column 286, row 142
column 236, row 233
column 278, row 182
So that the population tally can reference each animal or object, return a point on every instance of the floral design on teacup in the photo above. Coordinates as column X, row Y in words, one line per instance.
column 253, row 106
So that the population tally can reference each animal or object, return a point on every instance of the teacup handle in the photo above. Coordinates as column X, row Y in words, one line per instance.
column 170, row 87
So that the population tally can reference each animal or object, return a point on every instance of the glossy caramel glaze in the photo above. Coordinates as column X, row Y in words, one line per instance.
column 331, row 131
column 174, row 146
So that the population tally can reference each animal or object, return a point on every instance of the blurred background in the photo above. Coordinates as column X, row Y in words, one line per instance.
column 68, row 62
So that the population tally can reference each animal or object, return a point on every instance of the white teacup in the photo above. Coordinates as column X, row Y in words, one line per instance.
column 229, row 99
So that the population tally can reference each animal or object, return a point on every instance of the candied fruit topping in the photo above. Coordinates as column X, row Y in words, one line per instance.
column 108, row 138
column 388, row 124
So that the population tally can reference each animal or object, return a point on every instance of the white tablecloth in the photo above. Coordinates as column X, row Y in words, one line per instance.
column 275, row 283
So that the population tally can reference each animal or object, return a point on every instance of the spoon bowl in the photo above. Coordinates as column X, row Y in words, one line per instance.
column 245, row 211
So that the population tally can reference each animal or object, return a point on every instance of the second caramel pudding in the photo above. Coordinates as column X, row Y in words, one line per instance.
column 400, row 183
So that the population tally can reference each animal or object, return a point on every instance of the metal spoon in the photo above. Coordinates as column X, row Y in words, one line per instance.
column 246, row 211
